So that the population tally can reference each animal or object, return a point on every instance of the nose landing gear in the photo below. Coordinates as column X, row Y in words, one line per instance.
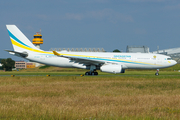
column 157, row 72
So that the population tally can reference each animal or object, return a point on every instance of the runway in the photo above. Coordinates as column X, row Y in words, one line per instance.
column 49, row 75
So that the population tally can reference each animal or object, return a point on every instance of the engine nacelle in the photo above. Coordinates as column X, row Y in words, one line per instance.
column 82, row 66
column 110, row 68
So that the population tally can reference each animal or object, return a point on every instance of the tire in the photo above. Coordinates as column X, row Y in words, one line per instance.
column 156, row 74
column 87, row 73
column 95, row 73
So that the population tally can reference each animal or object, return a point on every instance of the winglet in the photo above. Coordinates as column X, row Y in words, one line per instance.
column 55, row 53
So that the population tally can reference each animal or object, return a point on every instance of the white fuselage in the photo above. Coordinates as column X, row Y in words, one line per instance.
column 127, row 60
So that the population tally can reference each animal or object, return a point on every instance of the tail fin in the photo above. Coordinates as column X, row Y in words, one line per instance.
column 19, row 41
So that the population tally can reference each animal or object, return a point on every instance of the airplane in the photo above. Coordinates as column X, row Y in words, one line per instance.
column 110, row 62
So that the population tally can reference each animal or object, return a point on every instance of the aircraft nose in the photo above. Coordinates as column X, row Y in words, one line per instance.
column 174, row 62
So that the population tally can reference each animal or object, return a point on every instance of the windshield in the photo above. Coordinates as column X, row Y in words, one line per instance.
column 169, row 58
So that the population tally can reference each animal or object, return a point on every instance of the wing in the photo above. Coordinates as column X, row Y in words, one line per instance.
column 81, row 59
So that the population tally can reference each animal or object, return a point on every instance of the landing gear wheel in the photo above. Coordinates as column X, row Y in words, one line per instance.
column 91, row 73
column 88, row 73
column 156, row 74
column 94, row 73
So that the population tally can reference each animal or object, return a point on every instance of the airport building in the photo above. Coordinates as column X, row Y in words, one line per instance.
column 24, row 65
column 136, row 49
column 30, row 65
column 20, row 65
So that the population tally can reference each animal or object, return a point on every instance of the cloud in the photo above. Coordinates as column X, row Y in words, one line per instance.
column 73, row 16
column 110, row 15
column 102, row 15
column 105, row 14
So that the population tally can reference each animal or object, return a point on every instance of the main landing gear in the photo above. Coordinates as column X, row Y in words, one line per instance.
column 91, row 73
column 157, row 72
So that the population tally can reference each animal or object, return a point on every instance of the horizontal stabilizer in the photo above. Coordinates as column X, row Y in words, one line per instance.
column 23, row 54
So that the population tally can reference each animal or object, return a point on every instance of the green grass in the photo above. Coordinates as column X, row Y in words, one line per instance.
column 45, row 70
column 43, row 67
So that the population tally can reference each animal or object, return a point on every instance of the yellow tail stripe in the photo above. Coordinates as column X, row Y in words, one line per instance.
column 27, row 48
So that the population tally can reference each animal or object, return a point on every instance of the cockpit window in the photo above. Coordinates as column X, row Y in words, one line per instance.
column 169, row 58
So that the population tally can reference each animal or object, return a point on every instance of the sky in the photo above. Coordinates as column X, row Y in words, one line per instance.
column 108, row 24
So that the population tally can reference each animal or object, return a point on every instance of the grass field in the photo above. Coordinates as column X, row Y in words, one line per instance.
column 133, row 95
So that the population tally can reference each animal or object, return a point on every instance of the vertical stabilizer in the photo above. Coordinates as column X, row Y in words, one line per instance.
column 19, row 41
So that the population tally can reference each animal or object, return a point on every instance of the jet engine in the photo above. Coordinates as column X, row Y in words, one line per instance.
column 112, row 68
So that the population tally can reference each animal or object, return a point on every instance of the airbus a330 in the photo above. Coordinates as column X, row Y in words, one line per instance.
column 111, row 62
